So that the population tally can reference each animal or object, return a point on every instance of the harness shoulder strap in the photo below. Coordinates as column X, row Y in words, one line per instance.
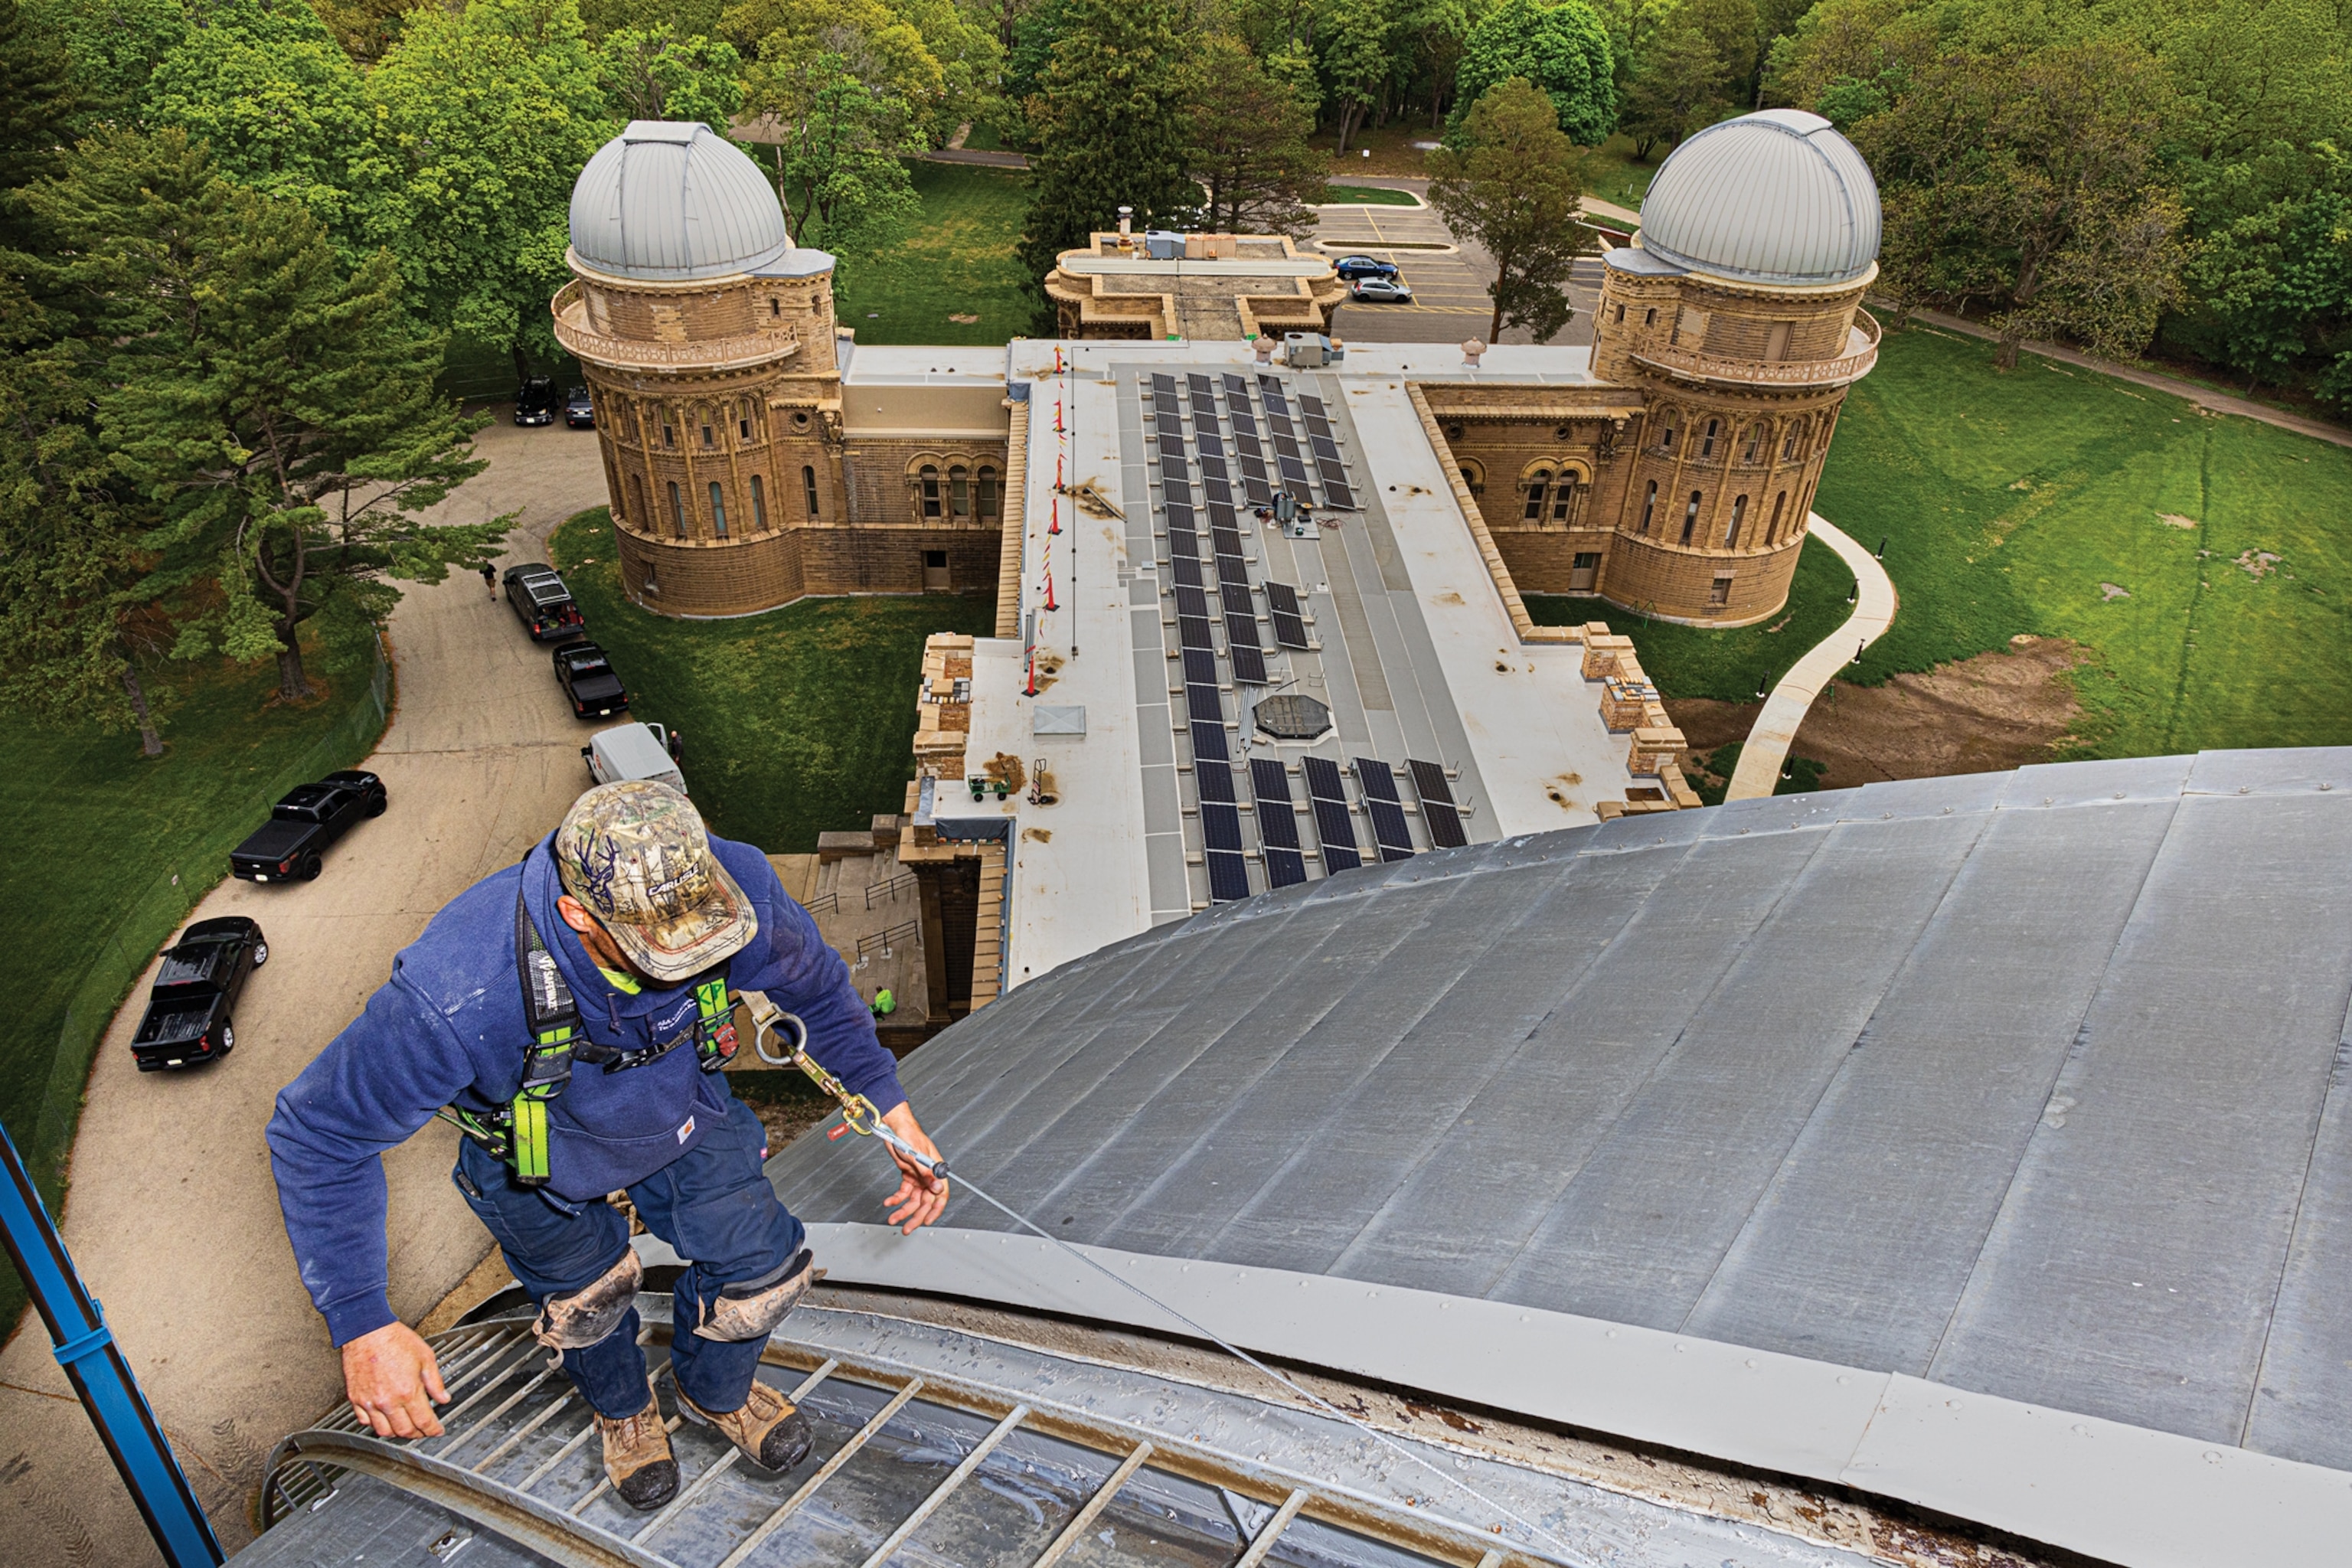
column 554, row 1020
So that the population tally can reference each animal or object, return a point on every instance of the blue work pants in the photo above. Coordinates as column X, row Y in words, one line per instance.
column 713, row 1205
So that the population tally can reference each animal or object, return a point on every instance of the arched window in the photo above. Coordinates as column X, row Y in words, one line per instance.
column 1538, row 483
column 1706, row 447
column 1563, row 497
column 929, row 487
column 1475, row 476
column 706, row 435
column 1793, row 442
column 959, row 494
column 988, row 496
column 775, row 306
column 638, row 503
column 1650, row 319
column 808, row 489
column 1757, row 435
column 670, row 434
column 1772, row 533
column 1738, row 516
column 1620, row 315
column 718, row 510
column 1666, row 435
column 743, row 427
column 1690, row 517
column 1649, row 506
column 676, row 509
column 759, row 504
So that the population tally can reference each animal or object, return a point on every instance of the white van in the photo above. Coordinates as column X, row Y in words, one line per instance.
column 632, row 752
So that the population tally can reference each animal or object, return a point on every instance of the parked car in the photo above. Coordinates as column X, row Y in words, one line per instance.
column 543, row 604
column 301, row 826
column 632, row 752
column 188, row 1010
column 580, row 409
column 1380, row 290
column 1354, row 267
column 535, row 401
column 587, row 677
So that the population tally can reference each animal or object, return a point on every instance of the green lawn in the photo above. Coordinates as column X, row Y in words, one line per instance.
column 97, row 895
column 956, row 261
column 1371, row 197
column 1692, row 661
column 2016, row 502
column 796, row 723
column 1612, row 174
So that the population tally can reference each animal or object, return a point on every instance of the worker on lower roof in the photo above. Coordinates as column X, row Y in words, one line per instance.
column 570, row 1013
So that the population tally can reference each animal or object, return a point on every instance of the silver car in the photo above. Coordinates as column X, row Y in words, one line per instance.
column 1381, row 290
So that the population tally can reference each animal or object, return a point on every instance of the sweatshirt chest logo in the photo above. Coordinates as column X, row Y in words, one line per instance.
column 676, row 1016
column 686, row 1131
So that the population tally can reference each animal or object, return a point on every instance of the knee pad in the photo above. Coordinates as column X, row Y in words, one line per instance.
column 752, row 1309
column 586, row 1315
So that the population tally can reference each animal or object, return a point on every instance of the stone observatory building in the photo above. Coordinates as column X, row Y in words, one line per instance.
column 740, row 478
column 755, row 452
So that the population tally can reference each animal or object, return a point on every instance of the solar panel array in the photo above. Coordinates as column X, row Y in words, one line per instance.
column 1286, row 454
column 1277, row 823
column 1325, row 447
column 1290, row 625
column 1329, row 797
column 1390, row 830
column 1437, row 805
column 1204, row 706
column 1247, row 449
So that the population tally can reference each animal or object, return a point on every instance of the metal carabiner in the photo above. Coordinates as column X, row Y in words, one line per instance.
column 767, row 1019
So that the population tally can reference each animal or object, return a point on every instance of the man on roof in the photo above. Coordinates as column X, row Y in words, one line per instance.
column 570, row 1013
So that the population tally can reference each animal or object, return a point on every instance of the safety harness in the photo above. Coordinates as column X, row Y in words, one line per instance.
column 516, row 1132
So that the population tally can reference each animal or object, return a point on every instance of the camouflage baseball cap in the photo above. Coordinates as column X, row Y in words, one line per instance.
column 636, row 853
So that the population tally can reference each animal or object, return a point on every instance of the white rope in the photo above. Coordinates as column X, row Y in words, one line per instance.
column 1383, row 1440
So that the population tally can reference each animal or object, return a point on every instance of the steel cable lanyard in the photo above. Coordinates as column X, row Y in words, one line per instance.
column 516, row 1132
column 859, row 1116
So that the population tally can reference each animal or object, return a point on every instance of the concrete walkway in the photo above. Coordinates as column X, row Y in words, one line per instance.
column 1759, row 773
column 172, row 1215
column 2157, row 381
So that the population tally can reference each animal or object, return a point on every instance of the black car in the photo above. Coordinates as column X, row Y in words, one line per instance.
column 587, row 677
column 301, row 826
column 580, row 409
column 535, row 401
column 187, row 1016
column 543, row 604
column 1354, row 267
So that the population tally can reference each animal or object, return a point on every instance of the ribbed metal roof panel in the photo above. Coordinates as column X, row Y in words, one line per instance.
column 1773, row 198
column 666, row 201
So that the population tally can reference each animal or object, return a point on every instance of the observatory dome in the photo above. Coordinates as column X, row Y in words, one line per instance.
column 1773, row 198
column 669, row 200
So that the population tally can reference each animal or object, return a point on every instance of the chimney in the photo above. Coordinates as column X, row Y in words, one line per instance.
column 1471, row 349
column 1126, row 221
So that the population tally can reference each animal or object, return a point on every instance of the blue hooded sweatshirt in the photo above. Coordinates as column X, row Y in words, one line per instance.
column 450, row 1028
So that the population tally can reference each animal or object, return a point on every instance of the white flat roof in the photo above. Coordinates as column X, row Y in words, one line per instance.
column 906, row 364
column 1413, row 650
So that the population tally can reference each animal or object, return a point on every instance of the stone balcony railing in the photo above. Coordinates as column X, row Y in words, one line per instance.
column 573, row 330
column 1862, row 352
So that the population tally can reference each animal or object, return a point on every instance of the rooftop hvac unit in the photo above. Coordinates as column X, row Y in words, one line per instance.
column 1310, row 351
column 1163, row 245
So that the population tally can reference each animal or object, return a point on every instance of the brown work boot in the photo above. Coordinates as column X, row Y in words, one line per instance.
column 770, row 1433
column 637, row 1457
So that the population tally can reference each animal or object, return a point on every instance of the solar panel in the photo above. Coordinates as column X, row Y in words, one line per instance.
column 1332, row 825
column 1191, row 602
column 1200, row 384
column 1209, row 742
column 1167, row 425
column 1445, row 829
column 1235, row 386
column 1204, row 410
column 1285, row 444
column 1390, row 830
column 1218, row 491
column 1232, row 569
column 1174, row 470
column 1228, row 876
column 1237, row 599
column 1245, row 439
column 1335, row 490
column 1249, row 663
column 1163, row 405
column 1289, row 626
column 1161, row 382
column 1184, row 570
column 1220, row 822
column 1183, row 545
column 1180, row 513
column 1212, row 445
column 1203, row 701
column 1192, row 633
column 1277, row 822
column 1294, row 472
column 1227, row 541
column 1216, row 783
column 1428, row 778
column 1199, row 668
column 1256, row 486
column 1271, row 390
column 1222, row 515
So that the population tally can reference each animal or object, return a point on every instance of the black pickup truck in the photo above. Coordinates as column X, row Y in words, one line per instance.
column 587, row 677
column 188, row 1011
column 543, row 604
column 301, row 826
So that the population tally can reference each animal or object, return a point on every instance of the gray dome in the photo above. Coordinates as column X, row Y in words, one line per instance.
column 670, row 200
column 1774, row 197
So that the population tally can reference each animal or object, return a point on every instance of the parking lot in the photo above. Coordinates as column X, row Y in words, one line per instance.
column 1448, row 278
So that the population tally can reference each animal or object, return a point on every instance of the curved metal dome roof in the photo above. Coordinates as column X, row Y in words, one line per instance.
column 667, row 200
column 1772, row 198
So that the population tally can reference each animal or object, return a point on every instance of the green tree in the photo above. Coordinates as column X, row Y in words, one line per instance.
column 1111, row 127
column 273, row 94
column 37, row 100
column 481, row 121
column 838, row 153
column 1514, row 186
column 686, row 18
column 924, row 53
column 1434, row 30
column 1246, row 143
column 114, row 46
column 1561, row 49
column 1356, row 61
column 652, row 73
column 1736, row 30
column 1678, row 86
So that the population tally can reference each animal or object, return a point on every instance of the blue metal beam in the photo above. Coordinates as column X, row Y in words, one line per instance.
column 95, row 1365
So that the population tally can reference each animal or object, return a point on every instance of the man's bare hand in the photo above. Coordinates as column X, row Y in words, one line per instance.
column 392, row 1382
column 921, row 1198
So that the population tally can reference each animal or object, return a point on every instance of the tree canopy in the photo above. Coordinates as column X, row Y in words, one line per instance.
column 1514, row 182
column 1561, row 49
